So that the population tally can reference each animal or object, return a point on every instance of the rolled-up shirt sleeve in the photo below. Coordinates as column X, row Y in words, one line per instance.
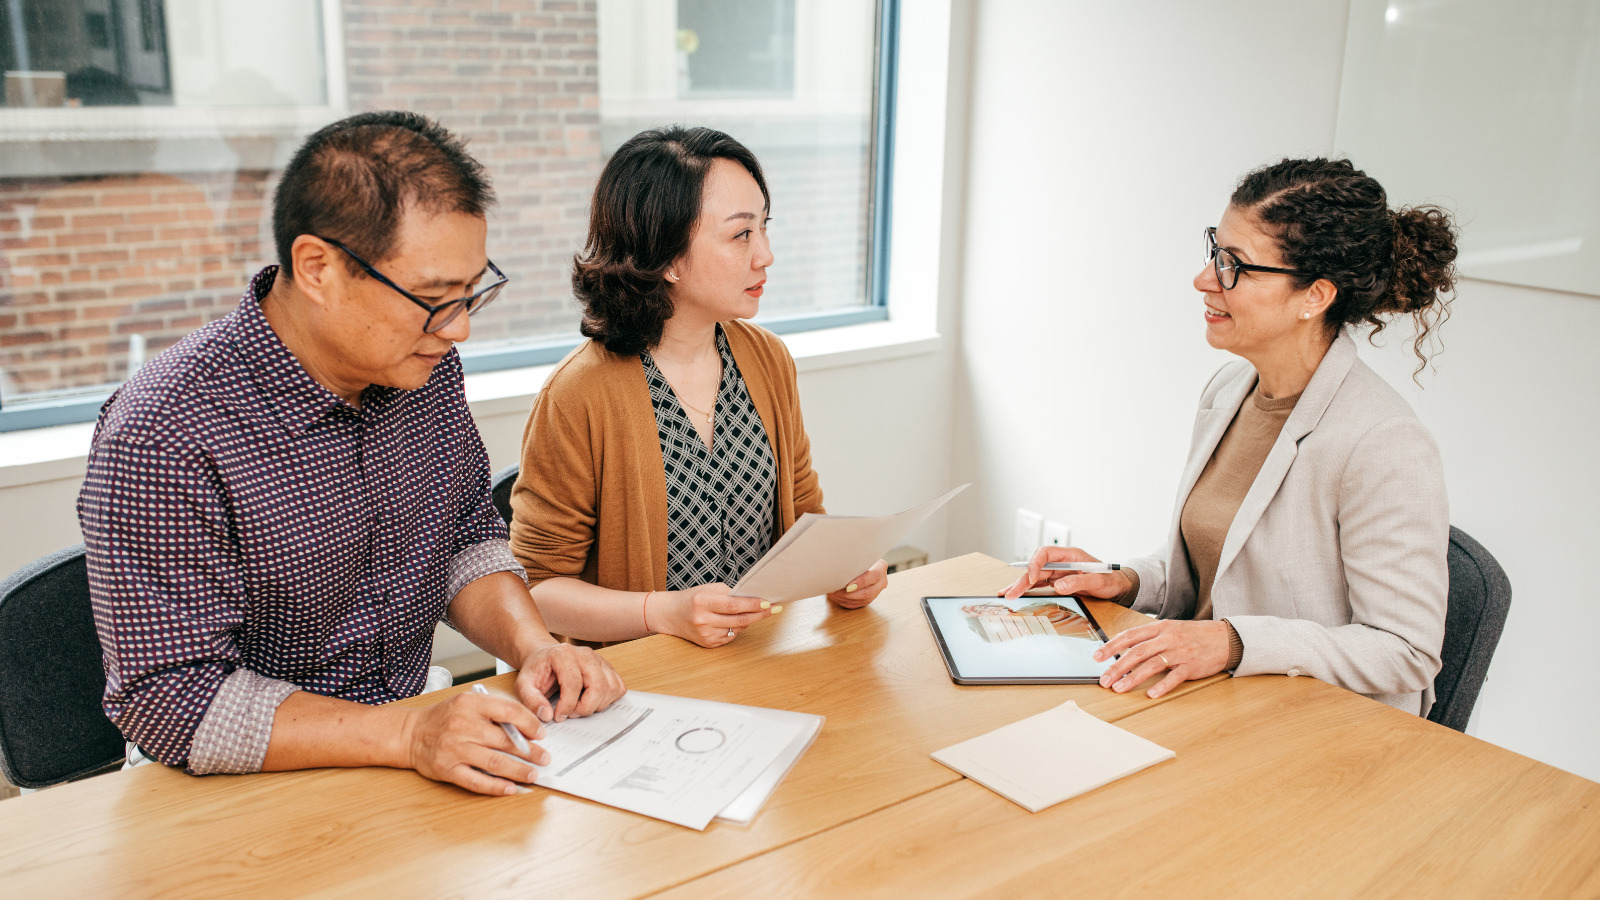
column 169, row 601
column 480, row 559
column 233, row 735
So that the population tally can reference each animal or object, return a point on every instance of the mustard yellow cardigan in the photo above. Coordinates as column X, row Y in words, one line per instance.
column 591, row 499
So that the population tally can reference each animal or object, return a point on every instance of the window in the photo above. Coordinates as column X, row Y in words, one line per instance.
column 141, row 141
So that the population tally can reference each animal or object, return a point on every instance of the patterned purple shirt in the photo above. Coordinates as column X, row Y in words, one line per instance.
column 251, row 534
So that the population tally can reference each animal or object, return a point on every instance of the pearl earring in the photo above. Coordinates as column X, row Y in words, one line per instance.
column 1305, row 315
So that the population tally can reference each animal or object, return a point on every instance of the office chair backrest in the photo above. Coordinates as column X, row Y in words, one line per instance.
column 52, row 727
column 500, row 487
column 1480, row 597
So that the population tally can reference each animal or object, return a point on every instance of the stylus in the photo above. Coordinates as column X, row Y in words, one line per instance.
column 1073, row 566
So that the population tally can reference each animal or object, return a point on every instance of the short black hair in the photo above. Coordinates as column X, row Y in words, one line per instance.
column 645, row 207
column 354, row 179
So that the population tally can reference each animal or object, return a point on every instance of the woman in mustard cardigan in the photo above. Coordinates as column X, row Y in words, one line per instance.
column 666, row 454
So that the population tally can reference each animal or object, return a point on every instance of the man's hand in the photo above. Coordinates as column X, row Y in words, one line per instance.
column 586, row 681
column 864, row 588
column 460, row 741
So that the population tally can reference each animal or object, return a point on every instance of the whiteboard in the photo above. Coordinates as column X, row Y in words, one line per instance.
column 1491, row 109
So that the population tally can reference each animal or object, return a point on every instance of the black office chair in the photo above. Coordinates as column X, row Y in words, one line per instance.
column 1480, row 598
column 500, row 487
column 52, row 728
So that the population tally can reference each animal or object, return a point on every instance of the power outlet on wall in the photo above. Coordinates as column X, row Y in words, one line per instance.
column 1057, row 535
column 1025, row 536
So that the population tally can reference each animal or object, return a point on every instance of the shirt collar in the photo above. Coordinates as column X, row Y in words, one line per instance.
column 291, row 392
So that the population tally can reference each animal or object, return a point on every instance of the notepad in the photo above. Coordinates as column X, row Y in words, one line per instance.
column 1044, row 759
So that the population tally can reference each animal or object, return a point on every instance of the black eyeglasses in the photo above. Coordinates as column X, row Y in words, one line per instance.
column 1228, row 266
column 444, row 313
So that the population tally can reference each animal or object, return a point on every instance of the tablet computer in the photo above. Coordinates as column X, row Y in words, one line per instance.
column 1030, row 640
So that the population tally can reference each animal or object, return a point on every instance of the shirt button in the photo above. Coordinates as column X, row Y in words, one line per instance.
column 1294, row 673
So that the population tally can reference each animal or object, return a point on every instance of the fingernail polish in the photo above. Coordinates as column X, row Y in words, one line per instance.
column 776, row 610
column 849, row 588
column 766, row 604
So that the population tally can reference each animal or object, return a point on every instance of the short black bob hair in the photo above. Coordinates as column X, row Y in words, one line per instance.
column 353, row 180
column 642, row 220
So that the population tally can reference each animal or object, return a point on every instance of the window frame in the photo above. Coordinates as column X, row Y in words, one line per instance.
column 79, row 406
column 188, row 131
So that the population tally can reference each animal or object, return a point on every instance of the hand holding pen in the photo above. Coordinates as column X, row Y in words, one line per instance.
column 1070, row 570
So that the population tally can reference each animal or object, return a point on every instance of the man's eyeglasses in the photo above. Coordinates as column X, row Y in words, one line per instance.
column 441, row 314
column 1228, row 266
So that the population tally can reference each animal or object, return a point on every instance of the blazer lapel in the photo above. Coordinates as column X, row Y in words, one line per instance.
column 1307, row 413
column 1209, row 426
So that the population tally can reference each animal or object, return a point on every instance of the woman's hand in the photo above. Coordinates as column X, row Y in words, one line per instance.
column 1186, row 650
column 1103, row 585
column 710, row 615
column 864, row 589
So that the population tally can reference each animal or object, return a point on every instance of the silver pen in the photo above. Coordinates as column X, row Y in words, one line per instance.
column 517, row 740
column 1073, row 566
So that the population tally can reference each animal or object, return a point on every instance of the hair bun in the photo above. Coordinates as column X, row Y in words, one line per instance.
column 1424, row 259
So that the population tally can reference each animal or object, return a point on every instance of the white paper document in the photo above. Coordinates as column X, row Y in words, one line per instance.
column 822, row 553
column 675, row 758
column 1044, row 759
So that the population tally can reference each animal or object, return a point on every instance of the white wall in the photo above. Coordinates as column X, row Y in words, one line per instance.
column 1104, row 136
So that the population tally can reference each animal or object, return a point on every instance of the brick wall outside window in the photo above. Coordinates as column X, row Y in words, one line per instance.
column 88, row 262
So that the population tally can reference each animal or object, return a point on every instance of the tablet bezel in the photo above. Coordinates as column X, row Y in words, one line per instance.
column 958, row 678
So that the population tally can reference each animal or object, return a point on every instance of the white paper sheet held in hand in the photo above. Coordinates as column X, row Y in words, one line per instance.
column 674, row 758
column 820, row 554
column 1044, row 759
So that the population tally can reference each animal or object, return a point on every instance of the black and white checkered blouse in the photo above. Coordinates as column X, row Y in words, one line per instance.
column 721, row 503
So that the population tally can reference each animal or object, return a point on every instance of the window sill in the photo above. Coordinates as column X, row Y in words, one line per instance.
column 59, row 452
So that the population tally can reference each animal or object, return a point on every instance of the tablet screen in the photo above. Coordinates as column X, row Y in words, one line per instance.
column 1030, row 639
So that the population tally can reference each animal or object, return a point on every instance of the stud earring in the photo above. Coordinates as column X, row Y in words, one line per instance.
column 1305, row 315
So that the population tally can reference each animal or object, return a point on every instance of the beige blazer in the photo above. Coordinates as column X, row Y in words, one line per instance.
column 1334, row 566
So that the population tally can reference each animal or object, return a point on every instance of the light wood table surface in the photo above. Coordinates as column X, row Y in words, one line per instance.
column 1282, row 787
column 875, row 673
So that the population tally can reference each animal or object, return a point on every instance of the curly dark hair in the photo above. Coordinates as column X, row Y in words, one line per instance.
column 1333, row 221
column 353, row 180
column 642, row 219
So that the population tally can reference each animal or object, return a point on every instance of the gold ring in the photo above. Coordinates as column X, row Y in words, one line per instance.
column 1164, row 659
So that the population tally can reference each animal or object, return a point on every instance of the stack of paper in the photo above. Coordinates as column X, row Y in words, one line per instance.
column 677, row 758
column 1082, row 753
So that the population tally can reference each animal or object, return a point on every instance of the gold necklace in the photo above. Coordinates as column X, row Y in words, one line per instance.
column 702, row 412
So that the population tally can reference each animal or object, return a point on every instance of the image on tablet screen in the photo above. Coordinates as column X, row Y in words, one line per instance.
column 1000, row 622
column 1032, row 637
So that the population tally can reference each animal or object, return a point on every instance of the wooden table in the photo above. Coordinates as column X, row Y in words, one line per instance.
column 1281, row 787
column 874, row 673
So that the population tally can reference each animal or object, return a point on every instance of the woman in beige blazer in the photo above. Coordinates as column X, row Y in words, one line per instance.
column 1311, row 525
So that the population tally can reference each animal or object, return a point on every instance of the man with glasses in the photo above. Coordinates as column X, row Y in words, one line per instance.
column 280, row 508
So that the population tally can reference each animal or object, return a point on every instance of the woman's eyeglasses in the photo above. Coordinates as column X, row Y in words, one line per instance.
column 1228, row 266
column 441, row 314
